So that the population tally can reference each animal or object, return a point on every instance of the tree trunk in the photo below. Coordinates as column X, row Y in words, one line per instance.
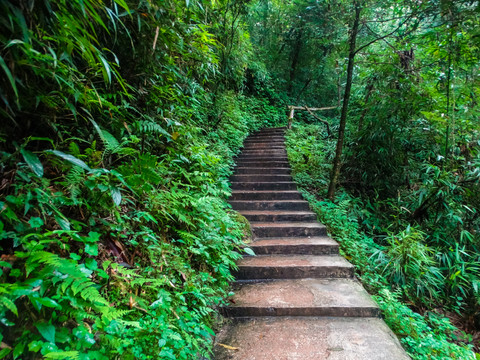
column 346, row 97
column 295, row 57
column 365, row 103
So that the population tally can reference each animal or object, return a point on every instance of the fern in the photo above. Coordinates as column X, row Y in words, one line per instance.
column 73, row 181
column 150, row 127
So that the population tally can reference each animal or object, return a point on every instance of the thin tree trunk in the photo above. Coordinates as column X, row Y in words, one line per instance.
column 346, row 97
column 295, row 57
column 365, row 103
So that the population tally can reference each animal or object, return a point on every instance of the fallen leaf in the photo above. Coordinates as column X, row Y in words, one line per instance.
column 228, row 347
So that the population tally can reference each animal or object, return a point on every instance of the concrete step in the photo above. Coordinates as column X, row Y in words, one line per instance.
column 264, row 152
column 263, row 163
column 273, row 129
column 266, row 267
column 292, row 205
column 264, row 130
column 263, row 145
column 263, row 148
column 286, row 185
column 268, row 132
column 266, row 195
column 262, row 157
column 288, row 229
column 273, row 216
column 261, row 178
column 242, row 159
column 315, row 245
column 308, row 338
column 262, row 170
column 302, row 297
column 273, row 140
column 265, row 137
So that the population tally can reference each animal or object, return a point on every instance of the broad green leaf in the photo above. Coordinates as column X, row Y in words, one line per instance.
column 116, row 195
column 71, row 159
column 47, row 302
column 47, row 331
column 35, row 222
column 9, row 304
column 91, row 249
column 4, row 352
column 62, row 355
column 63, row 222
column 32, row 161
column 19, row 348
column 249, row 251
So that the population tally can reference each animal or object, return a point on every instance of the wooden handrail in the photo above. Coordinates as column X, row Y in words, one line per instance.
column 310, row 111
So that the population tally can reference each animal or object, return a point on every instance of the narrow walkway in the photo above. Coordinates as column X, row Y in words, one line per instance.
column 297, row 299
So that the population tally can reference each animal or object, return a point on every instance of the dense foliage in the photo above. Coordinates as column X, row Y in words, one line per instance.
column 120, row 121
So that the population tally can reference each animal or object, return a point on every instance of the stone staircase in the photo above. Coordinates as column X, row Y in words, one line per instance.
column 297, row 299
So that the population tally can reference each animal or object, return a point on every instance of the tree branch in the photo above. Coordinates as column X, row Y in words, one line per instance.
column 384, row 36
column 321, row 120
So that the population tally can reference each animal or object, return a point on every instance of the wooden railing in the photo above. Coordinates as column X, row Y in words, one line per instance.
column 310, row 111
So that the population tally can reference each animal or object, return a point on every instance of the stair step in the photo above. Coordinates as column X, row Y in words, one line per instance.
column 263, row 163
column 316, row 245
column 308, row 338
column 263, row 145
column 273, row 216
column 264, row 153
column 277, row 149
column 285, row 185
column 267, row 134
column 262, row 170
column 275, row 129
column 297, row 298
column 262, row 158
column 266, row 195
column 302, row 297
column 260, row 178
column 288, row 229
column 265, row 137
column 298, row 205
column 293, row 267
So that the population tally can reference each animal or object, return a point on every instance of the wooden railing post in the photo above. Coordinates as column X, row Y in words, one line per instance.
column 290, row 117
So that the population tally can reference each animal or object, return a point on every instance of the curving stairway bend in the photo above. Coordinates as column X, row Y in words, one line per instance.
column 298, row 298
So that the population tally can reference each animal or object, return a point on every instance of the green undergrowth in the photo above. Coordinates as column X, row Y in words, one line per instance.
column 128, row 261
column 426, row 335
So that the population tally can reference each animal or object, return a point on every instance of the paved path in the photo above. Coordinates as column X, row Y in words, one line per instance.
column 297, row 299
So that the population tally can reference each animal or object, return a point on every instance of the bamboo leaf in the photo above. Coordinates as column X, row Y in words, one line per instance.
column 71, row 159
column 107, row 73
column 32, row 161
column 10, row 78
